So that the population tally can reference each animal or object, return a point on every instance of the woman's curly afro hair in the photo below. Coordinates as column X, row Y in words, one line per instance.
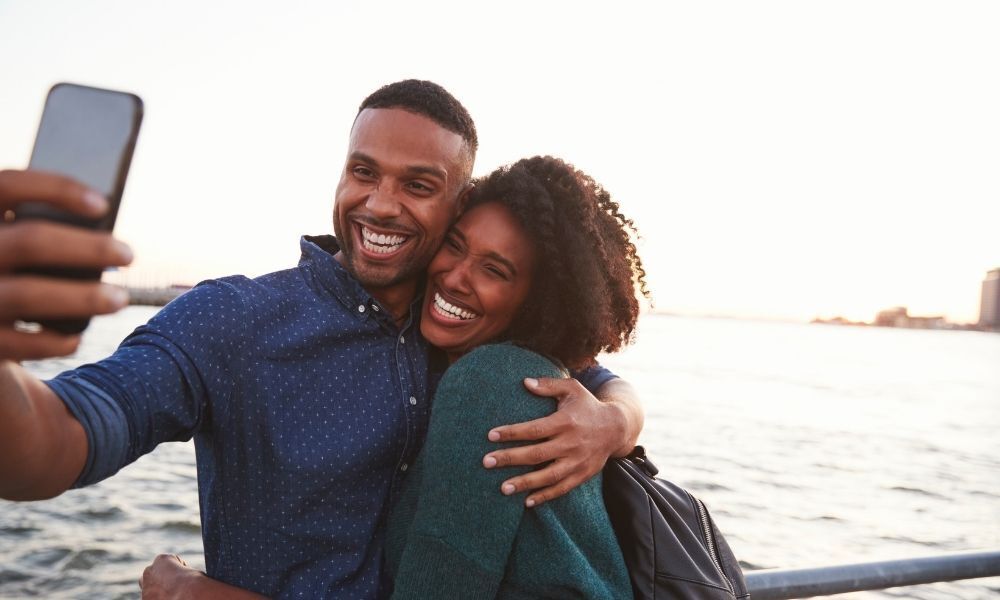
column 583, row 295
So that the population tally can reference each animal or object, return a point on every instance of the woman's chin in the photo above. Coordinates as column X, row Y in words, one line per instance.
column 443, row 342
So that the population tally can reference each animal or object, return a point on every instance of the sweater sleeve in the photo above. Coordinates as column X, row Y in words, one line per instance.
column 463, row 529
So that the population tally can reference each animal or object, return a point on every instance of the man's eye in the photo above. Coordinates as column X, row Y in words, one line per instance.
column 420, row 188
column 451, row 243
column 363, row 173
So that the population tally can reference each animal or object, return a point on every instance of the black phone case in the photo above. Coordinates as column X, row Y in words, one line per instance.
column 36, row 210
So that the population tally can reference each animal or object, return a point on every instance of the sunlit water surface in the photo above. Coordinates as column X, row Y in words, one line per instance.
column 811, row 444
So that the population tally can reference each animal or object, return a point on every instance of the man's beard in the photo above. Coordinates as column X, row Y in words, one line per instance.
column 380, row 278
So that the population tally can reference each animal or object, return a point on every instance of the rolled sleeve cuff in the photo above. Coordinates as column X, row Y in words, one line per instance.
column 593, row 377
column 103, row 421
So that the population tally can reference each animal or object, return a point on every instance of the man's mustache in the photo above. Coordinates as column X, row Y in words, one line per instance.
column 388, row 226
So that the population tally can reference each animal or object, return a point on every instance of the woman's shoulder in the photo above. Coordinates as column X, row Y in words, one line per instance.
column 498, row 360
column 492, row 376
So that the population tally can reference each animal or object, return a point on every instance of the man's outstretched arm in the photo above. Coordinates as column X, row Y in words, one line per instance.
column 42, row 446
column 576, row 440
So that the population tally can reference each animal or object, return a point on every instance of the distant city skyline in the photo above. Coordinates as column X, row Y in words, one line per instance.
column 782, row 159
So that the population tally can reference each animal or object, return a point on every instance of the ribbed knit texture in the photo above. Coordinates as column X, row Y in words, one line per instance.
column 454, row 535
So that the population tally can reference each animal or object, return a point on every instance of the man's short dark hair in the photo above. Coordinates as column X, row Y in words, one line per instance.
column 430, row 100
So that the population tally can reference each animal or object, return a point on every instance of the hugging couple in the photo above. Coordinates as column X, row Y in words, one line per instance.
column 414, row 411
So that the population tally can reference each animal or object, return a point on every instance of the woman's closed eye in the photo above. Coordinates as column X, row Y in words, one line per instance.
column 452, row 243
column 497, row 272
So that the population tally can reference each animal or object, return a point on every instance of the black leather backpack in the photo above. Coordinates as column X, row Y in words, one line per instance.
column 670, row 543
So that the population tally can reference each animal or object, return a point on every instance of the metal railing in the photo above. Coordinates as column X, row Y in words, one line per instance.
column 778, row 584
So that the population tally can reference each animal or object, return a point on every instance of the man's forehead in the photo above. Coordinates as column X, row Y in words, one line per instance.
column 400, row 122
column 397, row 134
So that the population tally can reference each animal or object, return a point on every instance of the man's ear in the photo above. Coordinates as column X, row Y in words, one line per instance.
column 463, row 199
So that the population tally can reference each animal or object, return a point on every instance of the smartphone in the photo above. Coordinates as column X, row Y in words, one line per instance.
column 88, row 134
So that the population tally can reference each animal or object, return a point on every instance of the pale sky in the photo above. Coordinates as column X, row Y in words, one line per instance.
column 781, row 159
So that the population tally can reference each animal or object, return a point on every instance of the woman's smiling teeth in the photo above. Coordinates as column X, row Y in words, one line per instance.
column 381, row 243
column 450, row 311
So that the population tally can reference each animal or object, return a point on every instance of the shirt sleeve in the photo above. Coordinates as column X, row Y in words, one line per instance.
column 162, row 382
column 463, row 529
column 593, row 377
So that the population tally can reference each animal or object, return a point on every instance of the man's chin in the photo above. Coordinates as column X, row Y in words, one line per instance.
column 381, row 276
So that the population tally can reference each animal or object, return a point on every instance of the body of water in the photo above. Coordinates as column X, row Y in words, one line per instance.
column 811, row 444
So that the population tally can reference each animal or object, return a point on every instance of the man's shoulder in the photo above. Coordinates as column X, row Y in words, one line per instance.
column 253, row 291
column 232, row 299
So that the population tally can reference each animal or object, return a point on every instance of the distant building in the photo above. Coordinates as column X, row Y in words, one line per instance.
column 892, row 317
column 898, row 316
column 989, row 309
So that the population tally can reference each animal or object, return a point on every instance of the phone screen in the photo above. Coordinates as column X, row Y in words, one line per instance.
column 88, row 134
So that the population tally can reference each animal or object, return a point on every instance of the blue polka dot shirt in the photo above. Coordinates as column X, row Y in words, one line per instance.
column 307, row 404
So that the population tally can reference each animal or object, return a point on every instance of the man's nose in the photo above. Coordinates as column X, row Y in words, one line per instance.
column 382, row 202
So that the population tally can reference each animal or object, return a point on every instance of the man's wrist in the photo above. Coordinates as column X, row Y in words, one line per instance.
column 622, row 441
column 192, row 583
column 624, row 416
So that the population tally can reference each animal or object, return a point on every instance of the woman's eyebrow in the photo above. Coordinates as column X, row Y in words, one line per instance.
column 455, row 231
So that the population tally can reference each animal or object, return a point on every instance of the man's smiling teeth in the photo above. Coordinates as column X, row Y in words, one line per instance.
column 445, row 309
column 381, row 243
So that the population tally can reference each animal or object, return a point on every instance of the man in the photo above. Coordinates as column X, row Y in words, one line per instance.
column 307, row 390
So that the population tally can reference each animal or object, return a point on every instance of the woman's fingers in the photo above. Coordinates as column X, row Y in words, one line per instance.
column 53, row 189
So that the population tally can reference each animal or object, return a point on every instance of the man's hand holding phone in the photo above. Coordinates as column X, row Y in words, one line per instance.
column 34, row 243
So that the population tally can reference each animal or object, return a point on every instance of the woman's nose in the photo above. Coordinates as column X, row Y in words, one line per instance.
column 456, row 279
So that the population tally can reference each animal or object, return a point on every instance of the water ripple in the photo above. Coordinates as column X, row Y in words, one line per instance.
column 917, row 491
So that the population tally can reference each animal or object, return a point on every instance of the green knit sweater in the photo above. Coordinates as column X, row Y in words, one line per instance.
column 453, row 534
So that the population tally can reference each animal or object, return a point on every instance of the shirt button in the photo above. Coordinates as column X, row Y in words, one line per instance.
column 402, row 340
column 375, row 307
column 361, row 308
column 413, row 401
column 404, row 467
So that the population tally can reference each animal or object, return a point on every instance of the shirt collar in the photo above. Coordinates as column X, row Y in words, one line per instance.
column 318, row 253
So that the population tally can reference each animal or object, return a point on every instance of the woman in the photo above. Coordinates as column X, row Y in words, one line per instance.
column 541, row 259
